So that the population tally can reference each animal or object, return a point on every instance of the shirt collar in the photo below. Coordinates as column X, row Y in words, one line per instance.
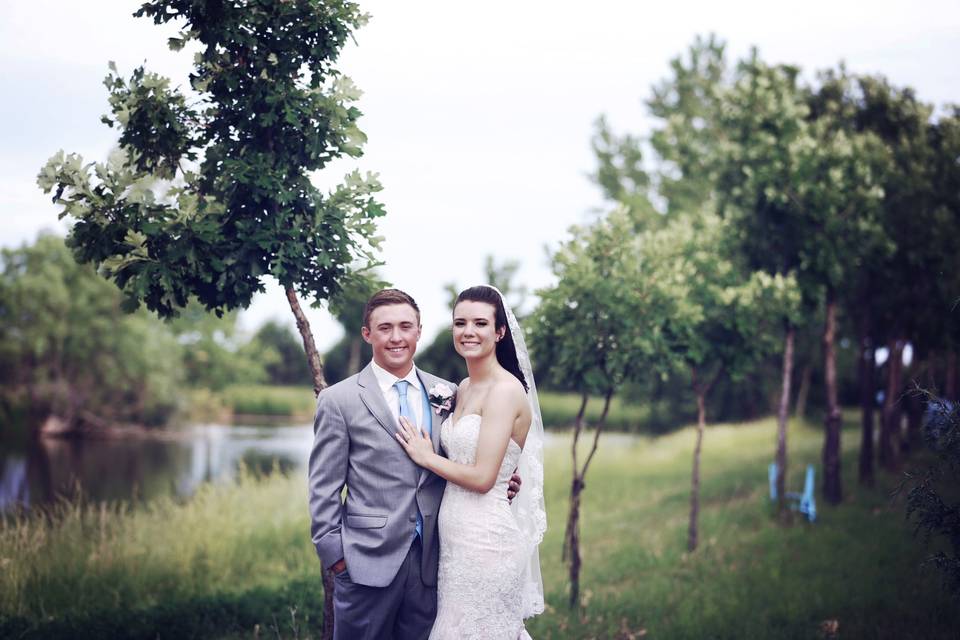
column 385, row 379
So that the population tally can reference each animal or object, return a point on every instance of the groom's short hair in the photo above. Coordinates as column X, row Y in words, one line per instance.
column 388, row 296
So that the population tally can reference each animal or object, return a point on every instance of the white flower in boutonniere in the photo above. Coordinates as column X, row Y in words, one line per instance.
column 441, row 397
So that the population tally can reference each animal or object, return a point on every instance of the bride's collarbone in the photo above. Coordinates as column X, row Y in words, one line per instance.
column 517, row 436
column 457, row 418
column 472, row 400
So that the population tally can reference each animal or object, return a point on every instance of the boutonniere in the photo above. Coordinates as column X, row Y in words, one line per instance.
column 440, row 397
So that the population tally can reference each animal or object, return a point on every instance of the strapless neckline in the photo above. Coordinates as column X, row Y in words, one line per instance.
column 454, row 423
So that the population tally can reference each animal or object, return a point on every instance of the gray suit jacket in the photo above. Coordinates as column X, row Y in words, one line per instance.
column 354, row 445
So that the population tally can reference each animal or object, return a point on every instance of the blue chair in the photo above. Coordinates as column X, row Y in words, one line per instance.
column 802, row 502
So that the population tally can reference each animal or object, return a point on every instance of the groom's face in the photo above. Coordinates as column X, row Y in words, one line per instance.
column 393, row 334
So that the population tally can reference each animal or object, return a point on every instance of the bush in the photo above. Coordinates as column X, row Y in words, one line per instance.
column 933, row 503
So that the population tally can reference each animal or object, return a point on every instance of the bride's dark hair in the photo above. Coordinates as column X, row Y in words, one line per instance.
column 506, row 351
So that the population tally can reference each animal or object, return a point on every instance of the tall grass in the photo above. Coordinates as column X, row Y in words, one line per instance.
column 235, row 557
column 75, row 567
column 270, row 400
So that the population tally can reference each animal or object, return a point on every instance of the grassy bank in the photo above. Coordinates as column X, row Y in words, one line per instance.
column 237, row 557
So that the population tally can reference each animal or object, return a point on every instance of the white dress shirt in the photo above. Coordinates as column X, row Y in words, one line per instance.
column 386, row 380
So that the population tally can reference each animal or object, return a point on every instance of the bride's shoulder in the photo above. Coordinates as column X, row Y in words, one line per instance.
column 508, row 388
column 463, row 384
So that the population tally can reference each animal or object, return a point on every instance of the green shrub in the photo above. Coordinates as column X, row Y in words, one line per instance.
column 268, row 400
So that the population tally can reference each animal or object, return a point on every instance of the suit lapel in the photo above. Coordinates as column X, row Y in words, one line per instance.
column 428, row 381
column 372, row 398
column 436, row 420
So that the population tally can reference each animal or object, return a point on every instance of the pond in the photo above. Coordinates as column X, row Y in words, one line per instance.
column 173, row 462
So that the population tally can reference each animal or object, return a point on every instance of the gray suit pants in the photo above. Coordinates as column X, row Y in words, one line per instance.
column 403, row 610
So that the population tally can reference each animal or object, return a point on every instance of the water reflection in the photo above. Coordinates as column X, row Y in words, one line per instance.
column 14, row 488
column 175, row 463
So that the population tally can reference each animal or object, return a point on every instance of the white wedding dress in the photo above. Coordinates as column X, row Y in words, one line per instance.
column 482, row 552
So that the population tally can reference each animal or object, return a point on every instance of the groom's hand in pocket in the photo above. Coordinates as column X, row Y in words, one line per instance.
column 339, row 566
column 513, row 487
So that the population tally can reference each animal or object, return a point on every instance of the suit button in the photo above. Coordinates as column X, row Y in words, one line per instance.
column 413, row 517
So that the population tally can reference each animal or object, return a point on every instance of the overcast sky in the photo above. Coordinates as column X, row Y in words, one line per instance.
column 479, row 115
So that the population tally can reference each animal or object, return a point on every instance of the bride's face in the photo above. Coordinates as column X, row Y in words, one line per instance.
column 474, row 331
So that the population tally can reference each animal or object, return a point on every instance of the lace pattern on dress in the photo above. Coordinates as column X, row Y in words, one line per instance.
column 480, row 591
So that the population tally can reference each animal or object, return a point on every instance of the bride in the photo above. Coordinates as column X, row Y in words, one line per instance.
column 489, row 578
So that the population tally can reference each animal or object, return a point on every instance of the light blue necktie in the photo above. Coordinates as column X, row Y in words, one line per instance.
column 402, row 386
column 405, row 412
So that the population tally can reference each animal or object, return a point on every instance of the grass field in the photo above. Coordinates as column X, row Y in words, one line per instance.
column 237, row 562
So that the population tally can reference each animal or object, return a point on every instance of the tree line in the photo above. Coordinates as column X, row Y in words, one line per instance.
column 72, row 358
column 773, row 211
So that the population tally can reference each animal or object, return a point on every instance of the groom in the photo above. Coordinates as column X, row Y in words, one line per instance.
column 381, row 542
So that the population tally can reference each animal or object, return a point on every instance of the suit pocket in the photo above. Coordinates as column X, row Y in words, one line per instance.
column 366, row 522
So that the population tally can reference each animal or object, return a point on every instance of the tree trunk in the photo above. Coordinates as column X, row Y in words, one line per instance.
column 950, row 387
column 596, row 434
column 800, row 408
column 865, row 372
column 692, row 531
column 890, row 420
column 319, row 384
column 571, row 537
column 832, row 481
column 782, row 416
column 571, row 546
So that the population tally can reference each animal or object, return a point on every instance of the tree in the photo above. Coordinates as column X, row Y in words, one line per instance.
column 908, row 304
column 688, row 140
column 946, row 188
column 289, row 366
column 214, row 355
column 70, row 355
column 801, row 189
column 593, row 331
column 725, row 316
column 754, row 201
column 621, row 176
column 204, row 198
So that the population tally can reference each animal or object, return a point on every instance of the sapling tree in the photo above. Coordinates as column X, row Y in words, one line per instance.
column 210, row 190
column 725, row 318
column 596, row 329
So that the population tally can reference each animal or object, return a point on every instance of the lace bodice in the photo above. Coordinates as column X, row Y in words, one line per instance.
column 482, row 551
column 460, row 443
